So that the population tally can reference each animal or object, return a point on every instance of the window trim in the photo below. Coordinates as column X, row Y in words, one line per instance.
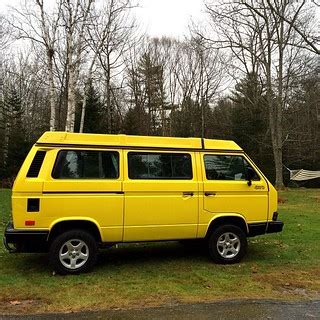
column 157, row 153
column 85, row 179
column 232, row 155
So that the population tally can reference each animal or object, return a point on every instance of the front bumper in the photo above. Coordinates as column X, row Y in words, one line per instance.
column 25, row 240
column 256, row 229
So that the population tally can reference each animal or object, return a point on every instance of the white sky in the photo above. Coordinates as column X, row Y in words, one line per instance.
column 168, row 17
column 157, row 17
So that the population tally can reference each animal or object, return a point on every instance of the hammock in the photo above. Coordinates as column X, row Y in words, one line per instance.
column 302, row 175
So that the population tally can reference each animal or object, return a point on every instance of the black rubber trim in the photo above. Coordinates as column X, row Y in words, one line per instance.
column 274, row 226
column 82, row 192
column 94, row 146
column 256, row 229
column 275, row 216
column 26, row 240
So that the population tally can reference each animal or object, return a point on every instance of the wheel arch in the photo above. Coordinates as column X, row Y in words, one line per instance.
column 235, row 219
column 61, row 225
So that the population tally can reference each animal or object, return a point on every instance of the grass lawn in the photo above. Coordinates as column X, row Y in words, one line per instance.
column 278, row 266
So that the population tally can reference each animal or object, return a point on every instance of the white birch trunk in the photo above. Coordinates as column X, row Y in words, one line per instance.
column 71, row 102
column 51, row 92
column 85, row 95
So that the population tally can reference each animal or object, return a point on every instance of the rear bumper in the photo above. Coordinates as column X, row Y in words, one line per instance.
column 256, row 229
column 274, row 226
column 25, row 240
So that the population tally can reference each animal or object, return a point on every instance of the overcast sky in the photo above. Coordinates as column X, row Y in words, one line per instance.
column 169, row 17
column 157, row 17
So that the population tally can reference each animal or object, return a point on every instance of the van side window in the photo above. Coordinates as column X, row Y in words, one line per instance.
column 171, row 166
column 77, row 164
column 227, row 167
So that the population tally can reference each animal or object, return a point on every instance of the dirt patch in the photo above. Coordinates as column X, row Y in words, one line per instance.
column 317, row 198
column 19, row 306
column 304, row 284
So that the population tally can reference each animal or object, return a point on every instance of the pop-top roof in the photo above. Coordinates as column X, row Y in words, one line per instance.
column 88, row 139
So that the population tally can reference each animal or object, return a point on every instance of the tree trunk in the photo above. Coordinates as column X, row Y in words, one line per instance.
column 108, row 83
column 83, row 111
column 276, row 135
column 109, row 111
column 278, row 114
column 71, row 102
column 85, row 95
column 51, row 92
column 71, row 85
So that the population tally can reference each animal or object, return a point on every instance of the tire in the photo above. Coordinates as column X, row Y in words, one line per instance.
column 73, row 252
column 227, row 244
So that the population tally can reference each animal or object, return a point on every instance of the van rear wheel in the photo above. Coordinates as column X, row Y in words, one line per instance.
column 73, row 252
column 227, row 244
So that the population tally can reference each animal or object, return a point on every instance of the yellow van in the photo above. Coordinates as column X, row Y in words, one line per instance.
column 77, row 192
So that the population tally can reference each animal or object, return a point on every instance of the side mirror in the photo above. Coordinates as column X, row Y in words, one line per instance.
column 250, row 175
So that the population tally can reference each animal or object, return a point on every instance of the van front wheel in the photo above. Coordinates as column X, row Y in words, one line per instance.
column 73, row 252
column 227, row 244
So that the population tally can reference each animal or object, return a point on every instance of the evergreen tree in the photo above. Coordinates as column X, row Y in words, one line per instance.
column 17, row 145
column 135, row 121
column 3, row 121
column 150, row 76
column 94, row 116
column 249, row 121
column 186, row 121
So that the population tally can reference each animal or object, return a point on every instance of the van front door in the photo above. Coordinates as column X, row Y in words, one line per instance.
column 226, row 189
column 161, row 196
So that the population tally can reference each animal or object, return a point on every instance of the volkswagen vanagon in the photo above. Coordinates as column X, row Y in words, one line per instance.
column 77, row 192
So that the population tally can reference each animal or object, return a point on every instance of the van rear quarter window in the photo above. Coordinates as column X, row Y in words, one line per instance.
column 171, row 166
column 78, row 164
column 36, row 164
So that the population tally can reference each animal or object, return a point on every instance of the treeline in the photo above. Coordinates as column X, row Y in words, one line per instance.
column 86, row 68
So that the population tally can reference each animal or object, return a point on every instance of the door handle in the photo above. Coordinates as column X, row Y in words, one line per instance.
column 185, row 194
column 208, row 194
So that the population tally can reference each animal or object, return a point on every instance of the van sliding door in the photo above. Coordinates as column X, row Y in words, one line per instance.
column 161, row 195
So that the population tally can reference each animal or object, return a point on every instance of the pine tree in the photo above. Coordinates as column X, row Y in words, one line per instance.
column 186, row 121
column 151, row 76
column 17, row 144
column 94, row 116
column 2, row 140
column 249, row 121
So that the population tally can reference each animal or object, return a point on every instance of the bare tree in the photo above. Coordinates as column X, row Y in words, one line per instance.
column 36, row 23
column 76, row 17
column 260, row 38
column 112, row 36
column 308, row 32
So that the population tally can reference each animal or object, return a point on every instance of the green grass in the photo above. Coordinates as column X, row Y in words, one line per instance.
column 277, row 266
